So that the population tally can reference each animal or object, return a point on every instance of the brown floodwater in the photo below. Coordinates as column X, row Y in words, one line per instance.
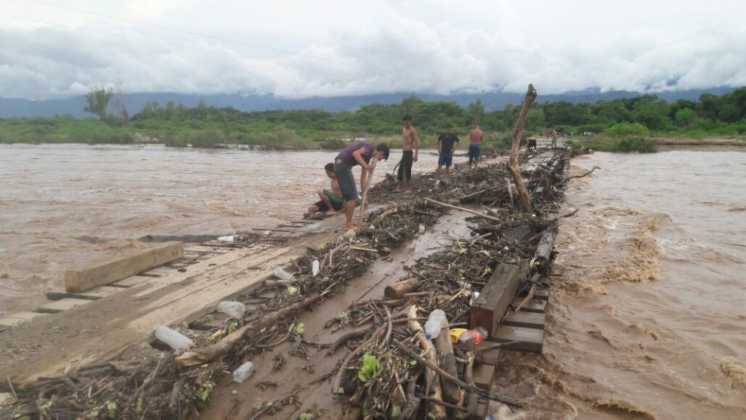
column 647, row 317
column 64, row 205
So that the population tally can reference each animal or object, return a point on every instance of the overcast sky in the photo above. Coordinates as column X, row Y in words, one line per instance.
column 51, row 48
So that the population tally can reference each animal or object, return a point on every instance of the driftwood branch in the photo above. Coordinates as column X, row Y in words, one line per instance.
column 514, row 166
column 457, row 381
column 474, row 212
column 582, row 175
column 431, row 380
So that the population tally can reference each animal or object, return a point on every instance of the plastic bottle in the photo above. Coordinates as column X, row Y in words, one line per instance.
column 435, row 323
column 281, row 274
column 229, row 238
column 232, row 309
column 243, row 372
column 315, row 267
column 173, row 338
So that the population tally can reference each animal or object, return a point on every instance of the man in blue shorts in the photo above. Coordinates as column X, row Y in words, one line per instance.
column 447, row 141
column 475, row 143
column 349, row 157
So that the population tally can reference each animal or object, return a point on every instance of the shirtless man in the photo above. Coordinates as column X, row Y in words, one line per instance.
column 475, row 139
column 410, row 151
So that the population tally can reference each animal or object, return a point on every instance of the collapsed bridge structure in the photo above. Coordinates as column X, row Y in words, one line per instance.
column 342, row 336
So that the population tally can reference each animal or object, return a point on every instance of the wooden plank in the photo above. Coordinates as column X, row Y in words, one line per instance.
column 61, row 305
column 490, row 307
column 525, row 319
column 122, row 267
column 526, row 339
column 483, row 375
column 532, row 306
column 18, row 318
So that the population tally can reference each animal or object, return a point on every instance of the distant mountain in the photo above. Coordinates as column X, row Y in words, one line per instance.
column 73, row 106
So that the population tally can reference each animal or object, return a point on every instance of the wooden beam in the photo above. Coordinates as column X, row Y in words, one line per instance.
column 525, row 319
column 520, row 339
column 119, row 268
column 534, row 305
column 494, row 299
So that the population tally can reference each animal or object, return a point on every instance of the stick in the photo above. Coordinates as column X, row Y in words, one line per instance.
column 515, row 148
column 528, row 297
column 364, row 206
column 431, row 380
column 457, row 381
column 581, row 176
column 12, row 390
column 474, row 212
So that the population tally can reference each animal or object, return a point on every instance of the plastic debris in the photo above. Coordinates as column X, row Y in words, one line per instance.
column 232, row 309
column 176, row 340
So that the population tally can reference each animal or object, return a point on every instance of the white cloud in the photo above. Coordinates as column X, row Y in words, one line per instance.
column 300, row 48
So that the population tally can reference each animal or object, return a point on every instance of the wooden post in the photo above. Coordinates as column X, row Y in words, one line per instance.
column 514, row 166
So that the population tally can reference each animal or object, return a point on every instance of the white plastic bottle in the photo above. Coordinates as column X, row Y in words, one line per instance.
column 232, row 309
column 281, row 274
column 173, row 338
column 315, row 267
column 435, row 323
column 243, row 372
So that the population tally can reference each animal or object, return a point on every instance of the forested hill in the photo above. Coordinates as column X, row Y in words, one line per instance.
column 135, row 102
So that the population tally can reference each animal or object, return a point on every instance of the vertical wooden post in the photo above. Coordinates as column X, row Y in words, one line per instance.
column 515, row 168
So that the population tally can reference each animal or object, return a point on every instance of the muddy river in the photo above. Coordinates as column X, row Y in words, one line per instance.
column 64, row 205
column 649, row 311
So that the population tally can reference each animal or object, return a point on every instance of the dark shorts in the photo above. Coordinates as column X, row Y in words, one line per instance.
column 474, row 151
column 346, row 180
column 405, row 166
column 446, row 159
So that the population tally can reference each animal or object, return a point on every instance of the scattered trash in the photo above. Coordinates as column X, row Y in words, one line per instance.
column 229, row 238
column 176, row 340
column 422, row 229
column 232, row 309
column 300, row 328
column 315, row 267
column 243, row 372
column 435, row 323
column 470, row 338
column 281, row 274
column 369, row 368
column 292, row 290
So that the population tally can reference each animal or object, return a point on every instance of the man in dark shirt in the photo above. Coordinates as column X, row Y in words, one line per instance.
column 353, row 155
column 447, row 141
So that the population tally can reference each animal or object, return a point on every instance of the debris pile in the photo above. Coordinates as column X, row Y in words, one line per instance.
column 392, row 370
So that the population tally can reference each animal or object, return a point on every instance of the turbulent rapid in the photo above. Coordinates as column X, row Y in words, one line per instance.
column 647, row 315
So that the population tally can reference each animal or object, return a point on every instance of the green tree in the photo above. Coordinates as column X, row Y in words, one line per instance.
column 97, row 102
column 685, row 117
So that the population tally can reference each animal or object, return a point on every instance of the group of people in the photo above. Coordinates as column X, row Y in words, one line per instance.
column 343, row 194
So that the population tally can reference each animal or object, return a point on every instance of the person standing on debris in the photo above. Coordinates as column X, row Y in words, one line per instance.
column 475, row 144
column 447, row 141
column 349, row 157
column 410, row 152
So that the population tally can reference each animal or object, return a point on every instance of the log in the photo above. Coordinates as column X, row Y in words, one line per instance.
column 514, row 166
column 543, row 253
column 447, row 361
column 212, row 352
column 431, row 380
column 490, row 307
column 398, row 289
column 120, row 268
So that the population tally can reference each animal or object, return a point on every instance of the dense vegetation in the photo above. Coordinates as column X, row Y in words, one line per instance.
column 624, row 123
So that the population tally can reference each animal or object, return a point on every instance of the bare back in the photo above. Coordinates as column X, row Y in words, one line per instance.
column 475, row 135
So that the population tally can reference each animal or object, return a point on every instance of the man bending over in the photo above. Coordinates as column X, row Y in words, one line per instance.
column 349, row 157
